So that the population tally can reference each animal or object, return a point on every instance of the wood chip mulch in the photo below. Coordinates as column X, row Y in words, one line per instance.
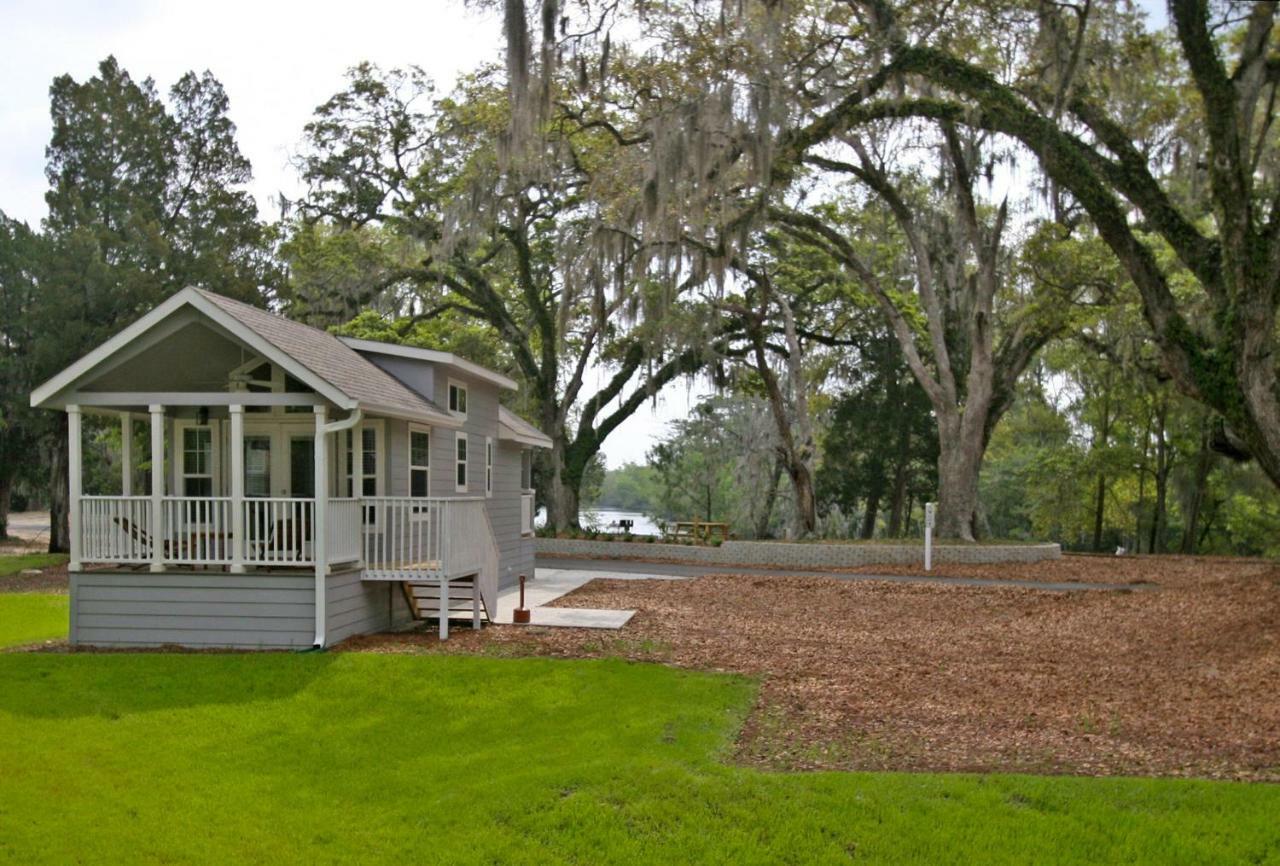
column 1180, row 680
column 52, row 579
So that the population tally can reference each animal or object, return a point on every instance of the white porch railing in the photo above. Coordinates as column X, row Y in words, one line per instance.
column 343, row 534
column 115, row 529
column 278, row 531
column 526, row 512
column 398, row 538
column 197, row 530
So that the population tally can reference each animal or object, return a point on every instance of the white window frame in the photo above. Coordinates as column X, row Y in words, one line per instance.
column 179, row 456
column 466, row 398
column 424, row 429
column 488, row 466
column 460, row 438
column 380, row 462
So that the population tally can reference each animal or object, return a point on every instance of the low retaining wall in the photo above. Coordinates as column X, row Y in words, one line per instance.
column 798, row 555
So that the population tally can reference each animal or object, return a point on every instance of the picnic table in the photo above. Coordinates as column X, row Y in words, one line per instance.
column 700, row 529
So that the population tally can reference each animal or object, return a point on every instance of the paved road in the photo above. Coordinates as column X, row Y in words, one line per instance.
column 684, row 569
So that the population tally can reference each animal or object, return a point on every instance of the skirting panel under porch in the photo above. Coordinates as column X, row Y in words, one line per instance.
column 121, row 608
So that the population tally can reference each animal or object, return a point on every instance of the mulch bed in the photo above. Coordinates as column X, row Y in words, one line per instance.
column 864, row 675
column 52, row 579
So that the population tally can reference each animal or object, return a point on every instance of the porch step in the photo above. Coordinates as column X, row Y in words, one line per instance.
column 424, row 599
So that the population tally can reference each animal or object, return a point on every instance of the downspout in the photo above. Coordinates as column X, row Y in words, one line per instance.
column 321, row 553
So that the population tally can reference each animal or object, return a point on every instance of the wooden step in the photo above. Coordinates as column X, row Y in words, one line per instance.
column 424, row 599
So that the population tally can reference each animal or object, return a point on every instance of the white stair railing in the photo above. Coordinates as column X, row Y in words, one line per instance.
column 404, row 537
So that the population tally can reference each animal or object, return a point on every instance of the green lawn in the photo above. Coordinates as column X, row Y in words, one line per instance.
column 332, row 757
column 27, row 617
column 12, row 564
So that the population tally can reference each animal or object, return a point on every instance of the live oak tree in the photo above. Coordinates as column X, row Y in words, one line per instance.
column 592, row 330
column 1204, row 183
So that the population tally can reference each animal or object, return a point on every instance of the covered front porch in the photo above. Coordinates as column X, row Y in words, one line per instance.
column 267, row 493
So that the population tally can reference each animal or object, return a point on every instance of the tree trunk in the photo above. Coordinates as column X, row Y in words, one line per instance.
column 1204, row 463
column 898, row 502
column 899, row 495
column 59, row 491
column 960, row 449
column 770, row 500
column 6, row 491
column 869, row 514
column 1099, row 501
column 1164, row 462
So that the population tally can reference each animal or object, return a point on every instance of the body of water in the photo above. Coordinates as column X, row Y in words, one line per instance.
column 607, row 520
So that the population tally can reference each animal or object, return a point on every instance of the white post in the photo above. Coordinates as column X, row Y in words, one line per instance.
column 74, row 484
column 320, row 514
column 238, row 540
column 126, row 454
column 357, row 461
column 156, row 529
column 928, row 535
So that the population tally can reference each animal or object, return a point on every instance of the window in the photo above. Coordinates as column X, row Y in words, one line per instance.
column 419, row 461
column 488, row 466
column 458, row 399
column 366, row 479
column 197, row 461
column 526, row 470
column 368, row 473
column 461, row 456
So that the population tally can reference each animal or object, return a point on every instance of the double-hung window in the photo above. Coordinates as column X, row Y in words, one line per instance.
column 458, row 399
column 419, row 461
column 197, row 461
column 488, row 466
column 460, row 462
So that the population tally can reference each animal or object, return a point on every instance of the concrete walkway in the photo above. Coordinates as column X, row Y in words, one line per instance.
column 551, row 583
column 627, row 569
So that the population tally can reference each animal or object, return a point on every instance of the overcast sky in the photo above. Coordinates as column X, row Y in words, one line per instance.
column 277, row 61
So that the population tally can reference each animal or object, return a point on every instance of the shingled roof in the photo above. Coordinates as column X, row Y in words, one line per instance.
column 511, row 426
column 330, row 359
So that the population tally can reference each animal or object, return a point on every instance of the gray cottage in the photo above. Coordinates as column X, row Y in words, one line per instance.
column 298, row 488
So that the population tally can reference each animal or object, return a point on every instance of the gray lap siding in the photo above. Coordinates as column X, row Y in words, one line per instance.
column 248, row 611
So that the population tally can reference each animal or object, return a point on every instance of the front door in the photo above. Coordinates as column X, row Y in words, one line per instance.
column 302, row 466
column 279, row 461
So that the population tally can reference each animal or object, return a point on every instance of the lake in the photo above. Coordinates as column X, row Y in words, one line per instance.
column 606, row 520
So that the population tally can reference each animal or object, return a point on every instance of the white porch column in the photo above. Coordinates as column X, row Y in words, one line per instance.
column 357, row 462
column 126, row 454
column 319, row 550
column 74, row 484
column 157, row 528
column 238, row 540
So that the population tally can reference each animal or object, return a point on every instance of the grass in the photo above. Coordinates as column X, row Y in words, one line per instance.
column 332, row 757
column 12, row 564
column 28, row 617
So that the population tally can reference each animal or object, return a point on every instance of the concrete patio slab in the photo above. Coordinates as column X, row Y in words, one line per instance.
column 552, row 583
column 580, row 617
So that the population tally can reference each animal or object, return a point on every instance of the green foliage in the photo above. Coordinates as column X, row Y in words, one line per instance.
column 631, row 487
column 881, row 446
column 720, row 465
column 448, row 332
